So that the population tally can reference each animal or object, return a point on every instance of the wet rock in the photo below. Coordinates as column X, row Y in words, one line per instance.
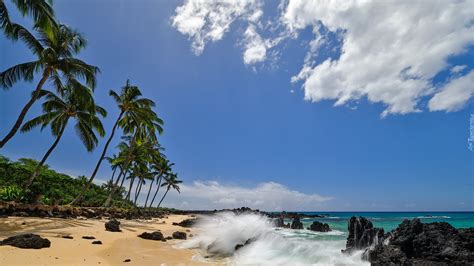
column 97, row 242
column 362, row 234
column 239, row 246
column 179, row 235
column 187, row 223
column 428, row 244
column 88, row 237
column 319, row 227
column 29, row 241
column 279, row 222
column 296, row 224
column 157, row 235
column 113, row 225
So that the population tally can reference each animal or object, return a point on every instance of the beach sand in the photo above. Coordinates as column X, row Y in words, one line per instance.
column 116, row 246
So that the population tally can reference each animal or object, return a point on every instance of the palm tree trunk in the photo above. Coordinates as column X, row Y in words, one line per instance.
column 26, row 108
column 45, row 157
column 113, row 174
column 112, row 191
column 148, row 194
column 137, row 190
column 129, row 192
column 156, row 192
column 167, row 189
column 96, row 169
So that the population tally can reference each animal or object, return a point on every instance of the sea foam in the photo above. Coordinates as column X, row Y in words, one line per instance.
column 261, row 244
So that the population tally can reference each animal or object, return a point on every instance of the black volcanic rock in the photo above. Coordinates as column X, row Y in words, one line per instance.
column 179, row 235
column 29, row 241
column 362, row 234
column 113, row 225
column 187, row 223
column 279, row 222
column 319, row 227
column 157, row 235
column 296, row 224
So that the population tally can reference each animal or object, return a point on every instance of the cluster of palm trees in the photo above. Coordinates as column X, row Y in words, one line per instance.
column 139, row 158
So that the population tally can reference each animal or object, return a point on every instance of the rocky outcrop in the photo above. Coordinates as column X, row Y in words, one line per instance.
column 113, row 225
column 319, row 227
column 279, row 222
column 296, row 223
column 187, row 223
column 157, row 236
column 30, row 241
column 362, row 234
column 416, row 243
column 179, row 235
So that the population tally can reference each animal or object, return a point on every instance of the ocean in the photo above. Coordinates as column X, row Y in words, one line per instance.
column 275, row 246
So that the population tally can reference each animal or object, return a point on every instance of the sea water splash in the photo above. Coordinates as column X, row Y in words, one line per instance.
column 259, row 243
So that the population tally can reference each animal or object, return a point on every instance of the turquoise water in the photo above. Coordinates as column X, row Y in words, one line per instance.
column 387, row 220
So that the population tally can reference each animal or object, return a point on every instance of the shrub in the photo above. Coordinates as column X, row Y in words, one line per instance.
column 11, row 193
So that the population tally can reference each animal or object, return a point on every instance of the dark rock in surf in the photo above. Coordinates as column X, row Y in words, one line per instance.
column 28, row 241
column 113, row 225
column 362, row 234
column 319, row 227
column 187, row 223
column 415, row 243
column 239, row 246
column 179, row 235
column 279, row 222
column 296, row 224
column 157, row 236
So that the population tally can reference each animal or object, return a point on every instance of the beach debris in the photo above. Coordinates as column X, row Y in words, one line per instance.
column 157, row 235
column 187, row 223
column 67, row 237
column 113, row 225
column 362, row 234
column 97, row 242
column 88, row 237
column 296, row 224
column 179, row 235
column 127, row 260
column 319, row 227
column 30, row 241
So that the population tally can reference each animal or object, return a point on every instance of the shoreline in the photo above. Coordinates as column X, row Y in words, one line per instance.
column 116, row 247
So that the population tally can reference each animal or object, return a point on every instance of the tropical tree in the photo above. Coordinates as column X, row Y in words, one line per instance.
column 75, row 102
column 41, row 11
column 55, row 52
column 134, row 110
column 162, row 168
column 170, row 182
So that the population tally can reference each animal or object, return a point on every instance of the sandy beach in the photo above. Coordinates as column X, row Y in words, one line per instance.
column 116, row 246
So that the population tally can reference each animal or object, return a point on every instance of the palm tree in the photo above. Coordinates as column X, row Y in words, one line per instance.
column 133, row 109
column 163, row 168
column 41, row 11
column 170, row 182
column 55, row 50
column 74, row 102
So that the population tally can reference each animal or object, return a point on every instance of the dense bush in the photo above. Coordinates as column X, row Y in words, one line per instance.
column 49, row 187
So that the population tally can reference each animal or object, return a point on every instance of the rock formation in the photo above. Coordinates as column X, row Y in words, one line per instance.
column 319, row 227
column 113, row 225
column 362, row 234
column 30, row 241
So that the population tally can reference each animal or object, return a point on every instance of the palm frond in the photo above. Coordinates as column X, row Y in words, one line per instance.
column 23, row 71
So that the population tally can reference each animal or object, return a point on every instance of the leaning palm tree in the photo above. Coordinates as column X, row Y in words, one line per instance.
column 41, row 11
column 54, row 50
column 163, row 169
column 133, row 108
column 75, row 102
column 171, row 182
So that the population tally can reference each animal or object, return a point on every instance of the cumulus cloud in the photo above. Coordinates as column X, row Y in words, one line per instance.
column 264, row 196
column 454, row 95
column 390, row 51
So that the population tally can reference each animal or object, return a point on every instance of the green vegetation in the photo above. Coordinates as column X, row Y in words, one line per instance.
column 139, row 160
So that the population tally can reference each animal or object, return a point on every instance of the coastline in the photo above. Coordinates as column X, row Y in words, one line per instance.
column 116, row 246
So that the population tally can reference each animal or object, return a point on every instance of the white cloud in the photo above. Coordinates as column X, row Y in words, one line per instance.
column 391, row 50
column 207, row 21
column 265, row 196
column 454, row 95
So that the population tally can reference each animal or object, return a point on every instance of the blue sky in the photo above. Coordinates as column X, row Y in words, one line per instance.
column 245, row 130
